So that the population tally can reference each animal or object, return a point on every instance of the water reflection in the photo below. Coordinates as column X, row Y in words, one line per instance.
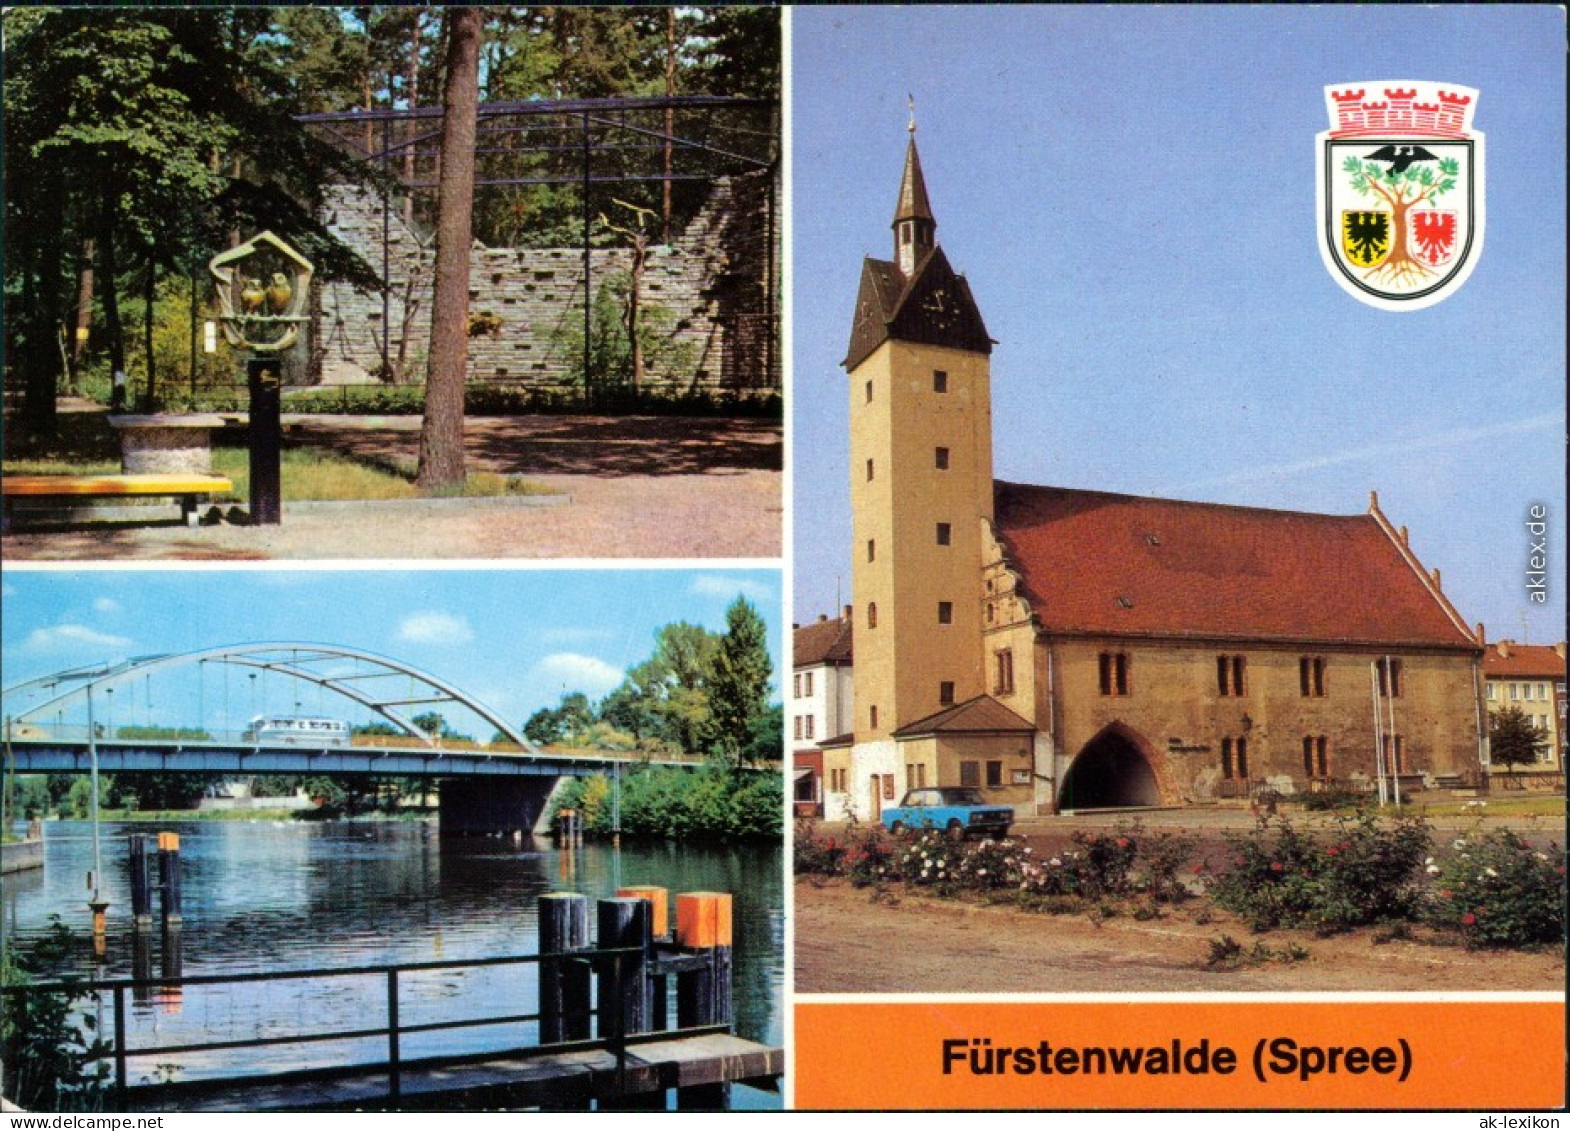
column 289, row 895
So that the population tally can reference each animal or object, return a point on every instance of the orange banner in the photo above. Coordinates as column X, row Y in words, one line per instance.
column 1210, row 1055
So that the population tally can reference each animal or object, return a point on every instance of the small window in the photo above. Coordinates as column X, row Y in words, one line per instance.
column 941, row 457
column 1390, row 678
column 872, row 550
column 1229, row 675
column 1515, row 689
column 921, row 774
column 806, row 683
column 1488, row 691
column 870, row 475
column 1311, row 676
column 944, row 533
column 872, row 714
column 808, row 728
column 872, row 614
column 970, row 774
column 869, row 392
column 1242, row 757
column 945, row 612
column 796, row 686
column 946, row 692
column 798, row 726
column 1004, row 685
column 994, row 775
column 1114, row 673
column 1226, row 758
column 940, row 381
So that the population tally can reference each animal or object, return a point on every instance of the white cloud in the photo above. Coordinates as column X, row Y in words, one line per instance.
column 574, row 671
column 106, row 605
column 71, row 637
column 434, row 628
column 729, row 588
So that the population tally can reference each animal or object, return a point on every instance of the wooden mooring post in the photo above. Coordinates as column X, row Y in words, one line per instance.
column 703, row 995
column 169, row 878
column 631, row 990
column 141, row 885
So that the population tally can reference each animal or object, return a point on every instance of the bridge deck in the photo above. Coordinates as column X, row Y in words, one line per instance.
column 565, row 1079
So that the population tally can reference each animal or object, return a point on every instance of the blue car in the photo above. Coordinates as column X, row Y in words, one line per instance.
column 958, row 810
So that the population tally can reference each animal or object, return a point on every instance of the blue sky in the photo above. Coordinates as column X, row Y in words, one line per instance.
column 1130, row 192
column 515, row 639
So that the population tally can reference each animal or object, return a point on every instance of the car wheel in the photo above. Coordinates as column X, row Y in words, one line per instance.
column 897, row 827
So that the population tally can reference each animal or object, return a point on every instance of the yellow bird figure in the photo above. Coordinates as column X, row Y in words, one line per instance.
column 279, row 293
column 252, row 296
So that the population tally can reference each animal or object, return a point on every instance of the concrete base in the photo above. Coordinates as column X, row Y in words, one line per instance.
column 494, row 806
column 21, row 855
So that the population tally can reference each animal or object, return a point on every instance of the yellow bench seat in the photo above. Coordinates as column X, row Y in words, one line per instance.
column 188, row 488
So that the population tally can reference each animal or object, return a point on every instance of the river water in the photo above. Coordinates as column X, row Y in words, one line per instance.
column 270, row 896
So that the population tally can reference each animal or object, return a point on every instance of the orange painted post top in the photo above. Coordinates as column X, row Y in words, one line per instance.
column 703, row 919
column 168, row 842
column 659, row 911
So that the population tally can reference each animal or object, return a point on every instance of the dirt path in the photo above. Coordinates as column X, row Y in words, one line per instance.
column 641, row 487
column 850, row 941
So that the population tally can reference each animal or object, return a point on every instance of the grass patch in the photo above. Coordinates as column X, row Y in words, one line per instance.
column 309, row 475
column 1535, row 805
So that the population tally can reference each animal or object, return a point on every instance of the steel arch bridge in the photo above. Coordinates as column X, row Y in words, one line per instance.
column 316, row 664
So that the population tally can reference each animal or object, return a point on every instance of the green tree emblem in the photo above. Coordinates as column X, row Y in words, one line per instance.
column 1402, row 183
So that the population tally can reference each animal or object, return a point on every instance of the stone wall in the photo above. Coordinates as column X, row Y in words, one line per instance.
column 712, row 291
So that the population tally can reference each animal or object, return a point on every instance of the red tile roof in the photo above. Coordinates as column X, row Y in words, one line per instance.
column 826, row 642
column 981, row 715
column 1537, row 661
column 1106, row 564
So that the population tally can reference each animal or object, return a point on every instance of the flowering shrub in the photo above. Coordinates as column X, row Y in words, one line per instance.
column 931, row 858
column 869, row 857
column 1363, row 870
column 1161, row 864
column 814, row 854
column 1497, row 891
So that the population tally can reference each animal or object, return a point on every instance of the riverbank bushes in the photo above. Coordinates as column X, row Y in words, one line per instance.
column 1483, row 890
column 711, row 803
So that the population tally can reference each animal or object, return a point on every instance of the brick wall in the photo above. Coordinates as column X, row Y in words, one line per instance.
column 713, row 289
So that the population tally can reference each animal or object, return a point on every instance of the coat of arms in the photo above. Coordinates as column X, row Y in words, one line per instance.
column 1400, row 191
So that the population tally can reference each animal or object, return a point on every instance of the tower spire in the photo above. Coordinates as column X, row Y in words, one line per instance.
column 914, row 226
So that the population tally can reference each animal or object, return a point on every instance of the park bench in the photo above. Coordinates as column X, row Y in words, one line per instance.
column 188, row 488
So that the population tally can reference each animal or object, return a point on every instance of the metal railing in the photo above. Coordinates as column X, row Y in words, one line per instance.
column 606, row 962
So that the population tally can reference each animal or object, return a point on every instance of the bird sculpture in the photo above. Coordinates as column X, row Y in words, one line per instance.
column 252, row 296
column 279, row 293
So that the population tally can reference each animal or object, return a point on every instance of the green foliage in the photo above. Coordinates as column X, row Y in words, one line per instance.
column 1497, row 891
column 1366, row 869
column 701, row 804
column 52, row 1052
column 1514, row 740
column 739, row 683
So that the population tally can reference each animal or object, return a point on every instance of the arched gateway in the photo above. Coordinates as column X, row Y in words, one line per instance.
column 1116, row 769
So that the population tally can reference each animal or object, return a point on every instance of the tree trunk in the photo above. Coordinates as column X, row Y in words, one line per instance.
column 413, row 74
column 106, row 271
column 150, row 294
column 441, row 434
column 83, row 322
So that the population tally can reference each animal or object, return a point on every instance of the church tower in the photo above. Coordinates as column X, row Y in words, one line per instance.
column 921, row 487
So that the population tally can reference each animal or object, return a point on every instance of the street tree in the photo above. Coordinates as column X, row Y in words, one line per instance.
column 1514, row 740
column 739, row 685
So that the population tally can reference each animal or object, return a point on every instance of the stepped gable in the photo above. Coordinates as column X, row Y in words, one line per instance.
column 1122, row 565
